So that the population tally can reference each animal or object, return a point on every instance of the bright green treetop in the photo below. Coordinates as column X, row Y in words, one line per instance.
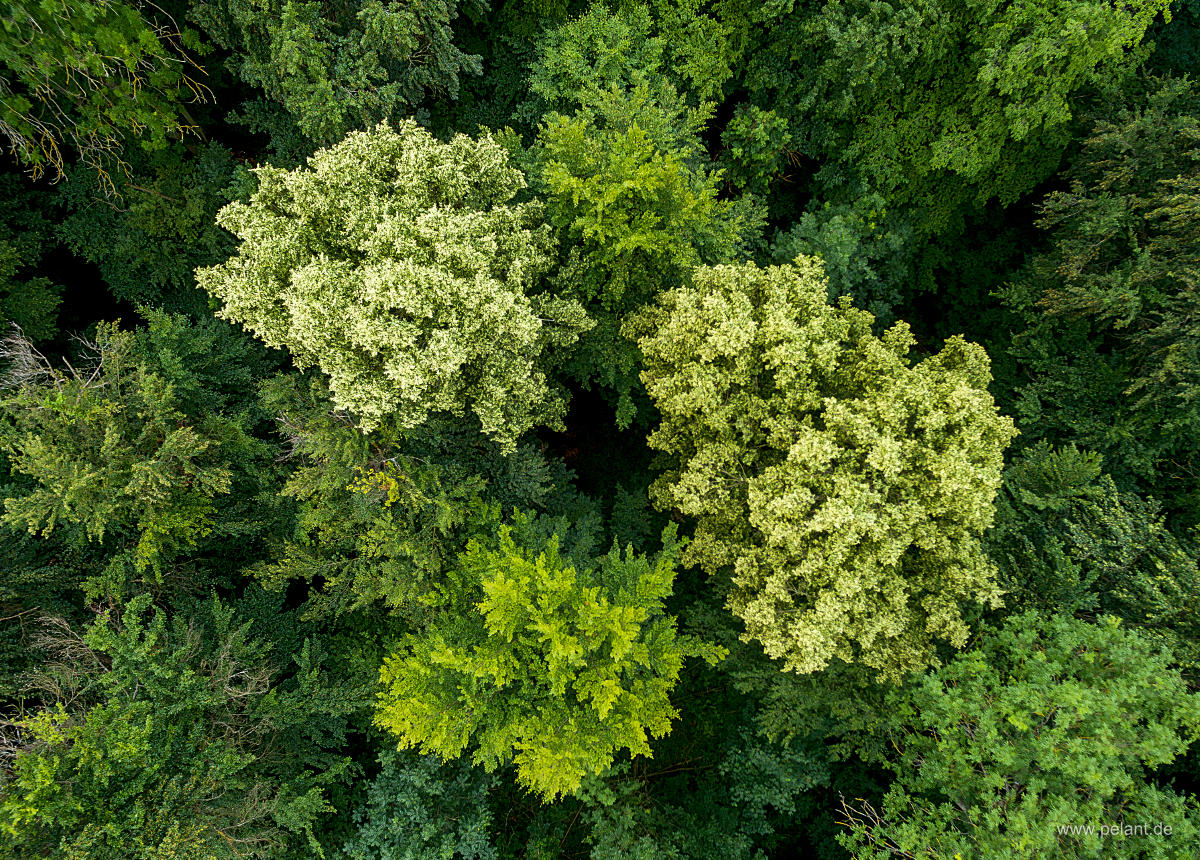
column 627, row 186
column 1049, row 723
column 552, row 663
column 635, row 215
column 400, row 267
column 846, row 487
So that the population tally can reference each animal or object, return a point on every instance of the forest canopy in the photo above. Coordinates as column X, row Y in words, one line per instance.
column 610, row 429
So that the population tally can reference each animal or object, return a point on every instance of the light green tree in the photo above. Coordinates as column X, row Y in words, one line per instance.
column 627, row 184
column 401, row 267
column 633, row 215
column 552, row 662
column 845, row 487
column 1050, row 723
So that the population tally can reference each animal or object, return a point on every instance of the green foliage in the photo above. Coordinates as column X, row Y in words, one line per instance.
column 1110, row 336
column 529, row 477
column 941, row 103
column 628, row 202
column 462, row 218
column 1177, row 40
column 372, row 524
column 400, row 267
column 755, row 143
column 34, row 579
column 700, row 44
column 420, row 809
column 340, row 67
column 83, row 75
column 554, row 662
column 171, row 738
column 30, row 301
column 379, row 518
column 504, row 37
column 843, row 705
column 674, row 49
column 1067, row 540
column 1048, row 723
column 732, row 812
column 597, row 52
column 846, row 488
column 625, row 181
column 160, row 225
column 867, row 254
column 635, row 219
column 132, row 449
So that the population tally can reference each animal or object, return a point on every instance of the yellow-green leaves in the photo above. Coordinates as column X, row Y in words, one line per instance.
column 846, row 488
column 555, row 666
column 400, row 267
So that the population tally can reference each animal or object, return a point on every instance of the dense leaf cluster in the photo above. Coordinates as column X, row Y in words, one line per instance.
column 599, row 428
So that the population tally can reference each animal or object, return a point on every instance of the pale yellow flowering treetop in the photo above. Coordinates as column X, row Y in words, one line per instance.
column 845, row 487
column 401, row 267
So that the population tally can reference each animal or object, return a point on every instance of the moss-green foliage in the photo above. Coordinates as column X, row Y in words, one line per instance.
column 754, row 147
column 701, row 44
column 1176, row 42
column 598, row 51
column 1110, row 344
column 378, row 519
column 371, row 523
column 635, row 218
column 401, row 268
column 28, row 300
column 1067, row 540
column 504, row 37
column 939, row 103
column 80, row 76
column 159, row 226
column 846, row 487
column 731, row 812
column 420, row 809
column 135, row 447
column 555, row 662
column 170, row 738
column 674, row 48
column 1048, row 722
column 867, row 254
column 338, row 67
